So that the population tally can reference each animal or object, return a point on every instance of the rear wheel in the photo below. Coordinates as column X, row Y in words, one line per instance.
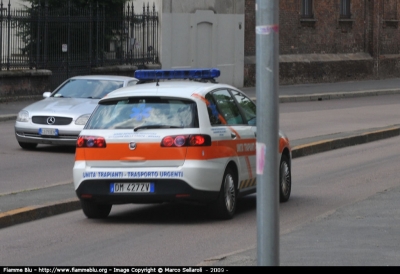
column 94, row 210
column 227, row 199
column 27, row 145
column 285, row 179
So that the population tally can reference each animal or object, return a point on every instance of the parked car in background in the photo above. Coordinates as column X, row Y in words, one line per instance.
column 188, row 141
column 61, row 115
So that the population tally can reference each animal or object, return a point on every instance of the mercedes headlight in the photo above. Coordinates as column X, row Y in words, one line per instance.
column 23, row 116
column 82, row 119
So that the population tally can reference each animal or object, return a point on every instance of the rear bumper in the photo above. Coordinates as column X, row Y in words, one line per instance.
column 165, row 190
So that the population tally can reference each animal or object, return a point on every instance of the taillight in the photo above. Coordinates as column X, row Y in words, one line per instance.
column 91, row 141
column 197, row 140
column 167, row 141
column 180, row 141
column 186, row 140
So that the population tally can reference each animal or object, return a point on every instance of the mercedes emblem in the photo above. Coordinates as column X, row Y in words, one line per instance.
column 51, row 120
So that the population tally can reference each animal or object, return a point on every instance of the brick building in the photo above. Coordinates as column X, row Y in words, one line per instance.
column 331, row 40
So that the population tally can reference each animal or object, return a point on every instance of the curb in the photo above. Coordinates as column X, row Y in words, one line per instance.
column 235, row 258
column 335, row 143
column 8, row 117
column 20, row 98
column 32, row 213
column 335, row 95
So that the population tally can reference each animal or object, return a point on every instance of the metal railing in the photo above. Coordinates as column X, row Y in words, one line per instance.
column 41, row 37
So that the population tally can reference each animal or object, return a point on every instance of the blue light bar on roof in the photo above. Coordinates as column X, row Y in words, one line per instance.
column 177, row 74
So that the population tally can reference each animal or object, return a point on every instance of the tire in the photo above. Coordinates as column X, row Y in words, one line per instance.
column 28, row 146
column 94, row 210
column 227, row 199
column 285, row 179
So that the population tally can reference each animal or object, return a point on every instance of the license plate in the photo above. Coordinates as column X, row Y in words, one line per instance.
column 48, row 131
column 132, row 187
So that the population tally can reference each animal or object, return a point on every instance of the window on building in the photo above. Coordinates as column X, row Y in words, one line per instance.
column 345, row 9
column 307, row 8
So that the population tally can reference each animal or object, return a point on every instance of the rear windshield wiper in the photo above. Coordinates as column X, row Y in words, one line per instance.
column 154, row 126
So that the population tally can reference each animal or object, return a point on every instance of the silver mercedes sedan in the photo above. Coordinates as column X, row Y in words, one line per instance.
column 61, row 115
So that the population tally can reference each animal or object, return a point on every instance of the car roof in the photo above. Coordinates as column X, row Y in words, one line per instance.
column 104, row 77
column 171, row 88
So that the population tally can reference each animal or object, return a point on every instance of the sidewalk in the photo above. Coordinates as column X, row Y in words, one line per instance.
column 30, row 205
column 362, row 234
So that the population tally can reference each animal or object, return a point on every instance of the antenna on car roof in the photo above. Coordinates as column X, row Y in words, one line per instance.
column 201, row 75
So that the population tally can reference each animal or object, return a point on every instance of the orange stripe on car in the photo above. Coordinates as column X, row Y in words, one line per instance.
column 249, row 167
column 283, row 142
column 153, row 151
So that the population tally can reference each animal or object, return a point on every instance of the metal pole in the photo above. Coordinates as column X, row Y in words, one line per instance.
column 103, row 36
column 46, row 31
column 90, row 35
column 143, row 33
column 38, row 36
column 267, row 73
column 69, row 36
column 32, row 33
column 97, row 34
column 1, row 34
column 9, row 35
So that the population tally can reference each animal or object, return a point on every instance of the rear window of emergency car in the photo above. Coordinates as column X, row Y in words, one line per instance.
column 144, row 112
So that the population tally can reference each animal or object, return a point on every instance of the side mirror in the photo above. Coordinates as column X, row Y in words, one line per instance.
column 46, row 94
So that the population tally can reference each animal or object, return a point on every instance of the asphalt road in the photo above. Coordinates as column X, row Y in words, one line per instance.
column 342, row 212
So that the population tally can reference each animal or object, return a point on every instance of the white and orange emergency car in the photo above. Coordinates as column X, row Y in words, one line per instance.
column 190, row 140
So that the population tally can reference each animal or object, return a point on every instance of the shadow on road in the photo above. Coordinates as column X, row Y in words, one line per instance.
column 169, row 213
